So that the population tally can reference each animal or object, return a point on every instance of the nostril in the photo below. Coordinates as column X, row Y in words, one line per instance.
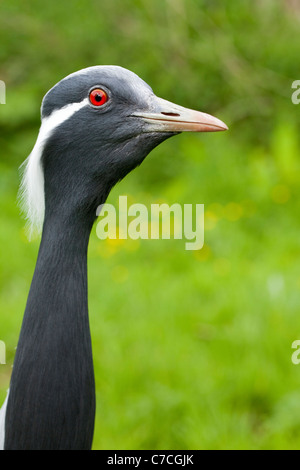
column 171, row 114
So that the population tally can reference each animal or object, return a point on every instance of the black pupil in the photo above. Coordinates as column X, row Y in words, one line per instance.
column 98, row 97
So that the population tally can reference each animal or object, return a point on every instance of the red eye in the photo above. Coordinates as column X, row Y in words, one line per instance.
column 98, row 97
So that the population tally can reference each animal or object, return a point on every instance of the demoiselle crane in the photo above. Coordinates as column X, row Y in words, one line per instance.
column 98, row 124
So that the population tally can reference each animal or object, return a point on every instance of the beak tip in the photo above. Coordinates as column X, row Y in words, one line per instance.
column 220, row 125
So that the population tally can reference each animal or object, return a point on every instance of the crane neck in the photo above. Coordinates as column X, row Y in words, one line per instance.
column 52, row 386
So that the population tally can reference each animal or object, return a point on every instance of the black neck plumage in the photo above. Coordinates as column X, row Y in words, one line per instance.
column 51, row 402
column 52, row 394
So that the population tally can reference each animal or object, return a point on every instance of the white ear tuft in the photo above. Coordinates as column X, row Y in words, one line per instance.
column 32, row 190
column 32, row 197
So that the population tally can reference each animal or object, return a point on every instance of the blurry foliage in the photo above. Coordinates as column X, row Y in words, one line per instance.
column 192, row 349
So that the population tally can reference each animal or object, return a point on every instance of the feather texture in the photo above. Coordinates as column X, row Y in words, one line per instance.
column 32, row 196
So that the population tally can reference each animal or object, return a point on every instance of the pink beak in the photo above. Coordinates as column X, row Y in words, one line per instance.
column 174, row 118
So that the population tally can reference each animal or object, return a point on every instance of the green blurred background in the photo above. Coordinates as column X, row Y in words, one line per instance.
column 192, row 349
